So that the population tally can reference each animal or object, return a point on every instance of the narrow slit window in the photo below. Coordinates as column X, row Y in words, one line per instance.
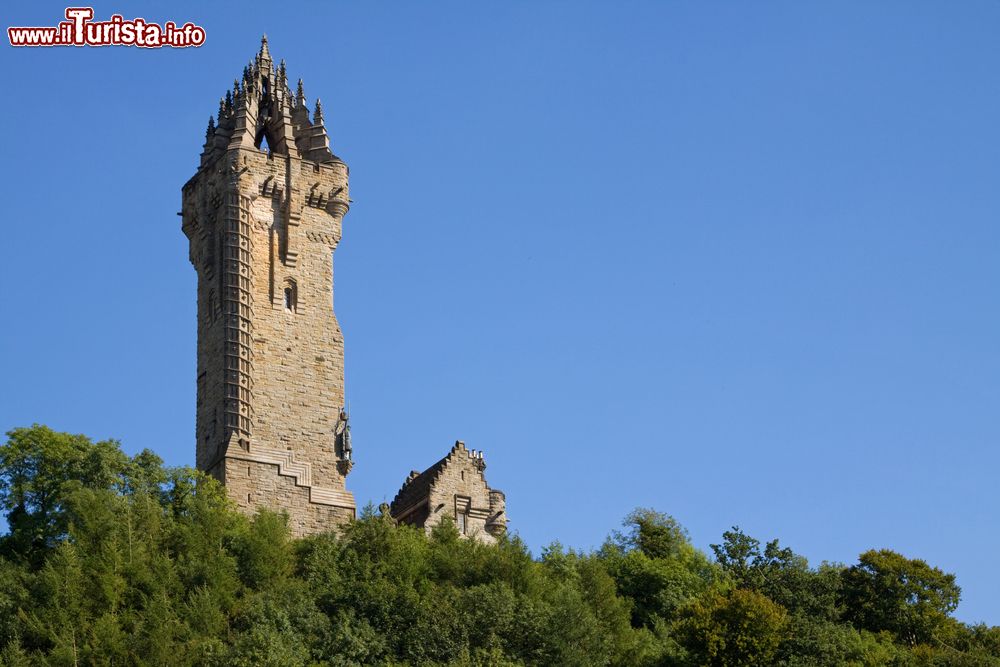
column 462, row 505
column 291, row 296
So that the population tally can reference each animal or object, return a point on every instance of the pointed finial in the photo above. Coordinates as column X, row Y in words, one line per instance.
column 236, row 89
column 211, row 128
column 280, row 76
column 222, row 109
column 318, row 114
column 300, row 95
column 264, row 53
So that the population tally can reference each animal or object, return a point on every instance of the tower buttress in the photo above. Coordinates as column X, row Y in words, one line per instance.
column 263, row 216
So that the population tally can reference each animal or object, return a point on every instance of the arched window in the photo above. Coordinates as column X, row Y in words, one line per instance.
column 291, row 296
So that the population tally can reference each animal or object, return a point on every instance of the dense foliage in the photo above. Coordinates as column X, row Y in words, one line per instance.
column 115, row 560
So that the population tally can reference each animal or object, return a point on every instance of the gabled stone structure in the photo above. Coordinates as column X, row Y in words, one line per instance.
column 454, row 487
column 263, row 215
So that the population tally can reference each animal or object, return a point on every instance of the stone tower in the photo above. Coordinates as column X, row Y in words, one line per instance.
column 263, row 216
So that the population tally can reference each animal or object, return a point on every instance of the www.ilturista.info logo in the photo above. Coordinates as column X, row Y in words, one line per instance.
column 80, row 30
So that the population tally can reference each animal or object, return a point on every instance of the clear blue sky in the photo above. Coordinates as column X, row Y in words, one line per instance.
column 735, row 261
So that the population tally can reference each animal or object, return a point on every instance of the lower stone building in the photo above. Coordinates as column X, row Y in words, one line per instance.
column 454, row 487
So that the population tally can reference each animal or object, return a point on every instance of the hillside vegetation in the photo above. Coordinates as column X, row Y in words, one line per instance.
column 117, row 560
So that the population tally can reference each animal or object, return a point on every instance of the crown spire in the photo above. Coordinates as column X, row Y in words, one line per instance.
column 264, row 53
column 262, row 102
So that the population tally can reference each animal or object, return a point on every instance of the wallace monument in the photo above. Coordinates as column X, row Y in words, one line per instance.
column 263, row 214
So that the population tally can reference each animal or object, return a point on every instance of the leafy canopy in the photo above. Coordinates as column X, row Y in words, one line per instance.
column 112, row 559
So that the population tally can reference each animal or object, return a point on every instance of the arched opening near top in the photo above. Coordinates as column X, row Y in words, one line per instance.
column 264, row 141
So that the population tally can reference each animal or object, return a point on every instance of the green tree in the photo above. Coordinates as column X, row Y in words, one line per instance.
column 118, row 560
column 734, row 628
column 38, row 468
column 655, row 534
column 780, row 574
column 655, row 566
column 907, row 597
column 263, row 550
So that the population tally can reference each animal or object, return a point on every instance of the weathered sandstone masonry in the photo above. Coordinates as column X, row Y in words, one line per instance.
column 263, row 215
column 454, row 488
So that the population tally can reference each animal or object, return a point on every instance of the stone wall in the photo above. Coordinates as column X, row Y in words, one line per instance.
column 252, row 485
column 454, row 486
column 298, row 352
column 270, row 363
column 462, row 479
